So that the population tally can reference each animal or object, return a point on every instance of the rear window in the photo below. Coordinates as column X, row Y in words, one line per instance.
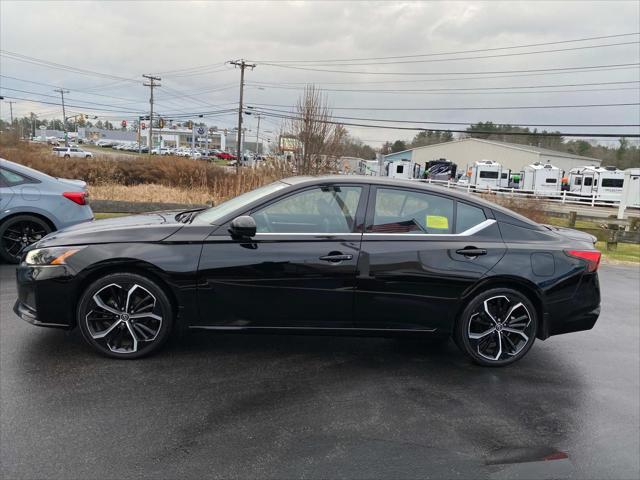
column 578, row 181
column 551, row 180
column 12, row 178
column 486, row 174
column 612, row 182
column 588, row 181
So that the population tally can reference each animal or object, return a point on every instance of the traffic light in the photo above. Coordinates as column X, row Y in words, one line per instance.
column 161, row 123
column 189, row 124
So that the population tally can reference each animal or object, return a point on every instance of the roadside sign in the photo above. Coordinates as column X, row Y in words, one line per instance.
column 201, row 130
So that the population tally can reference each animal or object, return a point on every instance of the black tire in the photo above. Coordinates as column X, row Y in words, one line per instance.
column 120, row 342
column 87, row 156
column 67, row 156
column 490, row 338
column 18, row 232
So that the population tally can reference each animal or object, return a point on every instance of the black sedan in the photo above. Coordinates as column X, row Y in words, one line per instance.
column 327, row 255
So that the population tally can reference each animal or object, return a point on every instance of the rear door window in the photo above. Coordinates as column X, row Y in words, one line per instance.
column 406, row 211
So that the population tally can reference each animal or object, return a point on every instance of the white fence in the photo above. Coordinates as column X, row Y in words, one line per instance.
column 563, row 197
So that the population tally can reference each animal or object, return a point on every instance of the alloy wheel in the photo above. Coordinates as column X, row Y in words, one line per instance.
column 124, row 318
column 500, row 328
column 21, row 234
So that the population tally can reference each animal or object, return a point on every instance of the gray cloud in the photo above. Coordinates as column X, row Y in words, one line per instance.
column 131, row 38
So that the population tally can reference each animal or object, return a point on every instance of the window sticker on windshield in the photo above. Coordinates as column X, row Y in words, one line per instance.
column 437, row 222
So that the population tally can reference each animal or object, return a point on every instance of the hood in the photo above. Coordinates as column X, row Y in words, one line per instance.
column 149, row 227
column 573, row 234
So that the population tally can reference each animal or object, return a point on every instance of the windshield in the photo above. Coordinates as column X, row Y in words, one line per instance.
column 212, row 215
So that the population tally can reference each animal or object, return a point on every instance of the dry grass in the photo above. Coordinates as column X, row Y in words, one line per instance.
column 150, row 193
column 525, row 207
column 184, row 177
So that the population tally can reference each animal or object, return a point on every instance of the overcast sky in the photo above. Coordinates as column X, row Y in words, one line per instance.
column 127, row 39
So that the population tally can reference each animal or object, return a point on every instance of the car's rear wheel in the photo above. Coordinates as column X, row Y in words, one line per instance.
column 67, row 156
column 497, row 327
column 125, row 315
column 18, row 232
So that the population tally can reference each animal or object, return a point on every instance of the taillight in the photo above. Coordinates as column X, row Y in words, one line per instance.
column 77, row 197
column 592, row 257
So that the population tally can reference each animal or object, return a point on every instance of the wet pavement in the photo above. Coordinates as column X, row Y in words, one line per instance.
column 265, row 406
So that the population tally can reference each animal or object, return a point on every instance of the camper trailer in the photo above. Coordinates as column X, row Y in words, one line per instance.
column 441, row 169
column 539, row 177
column 403, row 169
column 487, row 174
column 605, row 183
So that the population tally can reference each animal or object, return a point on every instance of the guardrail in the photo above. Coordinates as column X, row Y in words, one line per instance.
column 563, row 197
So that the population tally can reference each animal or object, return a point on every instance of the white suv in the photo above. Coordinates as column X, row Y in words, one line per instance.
column 68, row 152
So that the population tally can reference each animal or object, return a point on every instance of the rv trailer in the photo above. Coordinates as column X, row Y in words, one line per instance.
column 603, row 183
column 539, row 177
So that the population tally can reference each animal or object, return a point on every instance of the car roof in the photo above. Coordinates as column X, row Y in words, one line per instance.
column 512, row 217
column 28, row 171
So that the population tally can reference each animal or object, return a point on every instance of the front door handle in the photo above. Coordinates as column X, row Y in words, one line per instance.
column 335, row 257
column 471, row 251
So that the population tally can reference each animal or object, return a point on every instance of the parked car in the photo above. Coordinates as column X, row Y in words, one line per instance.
column 343, row 255
column 226, row 156
column 33, row 204
column 68, row 152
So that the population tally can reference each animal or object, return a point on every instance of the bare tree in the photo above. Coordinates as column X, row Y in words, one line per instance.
column 319, row 141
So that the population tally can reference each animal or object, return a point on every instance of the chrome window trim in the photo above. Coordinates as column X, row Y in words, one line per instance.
column 470, row 231
column 308, row 234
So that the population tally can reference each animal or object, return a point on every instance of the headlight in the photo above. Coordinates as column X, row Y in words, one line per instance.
column 50, row 256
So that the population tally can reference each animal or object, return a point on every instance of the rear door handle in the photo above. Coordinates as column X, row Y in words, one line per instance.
column 471, row 251
column 336, row 257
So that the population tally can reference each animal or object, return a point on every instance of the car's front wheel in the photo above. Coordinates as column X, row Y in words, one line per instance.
column 497, row 327
column 125, row 315
column 18, row 232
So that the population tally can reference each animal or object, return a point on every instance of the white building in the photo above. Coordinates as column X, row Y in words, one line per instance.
column 182, row 137
column 512, row 156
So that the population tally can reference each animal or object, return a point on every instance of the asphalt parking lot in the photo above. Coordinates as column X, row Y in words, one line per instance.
column 231, row 406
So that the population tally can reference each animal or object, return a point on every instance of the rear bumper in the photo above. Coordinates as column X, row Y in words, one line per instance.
column 578, row 313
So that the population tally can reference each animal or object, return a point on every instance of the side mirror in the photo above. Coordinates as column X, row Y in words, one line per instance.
column 243, row 227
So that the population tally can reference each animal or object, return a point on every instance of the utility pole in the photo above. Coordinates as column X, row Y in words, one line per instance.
column 11, row 110
column 151, row 86
column 33, row 124
column 258, row 135
column 64, row 116
column 242, row 64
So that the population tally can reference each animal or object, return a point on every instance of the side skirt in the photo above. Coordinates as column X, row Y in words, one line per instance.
column 349, row 331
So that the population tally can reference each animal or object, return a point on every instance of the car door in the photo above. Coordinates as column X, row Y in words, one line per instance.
column 420, row 251
column 298, row 271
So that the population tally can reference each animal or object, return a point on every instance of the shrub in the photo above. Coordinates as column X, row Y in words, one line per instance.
column 127, row 170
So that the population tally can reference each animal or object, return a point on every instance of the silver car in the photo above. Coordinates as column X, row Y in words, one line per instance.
column 33, row 204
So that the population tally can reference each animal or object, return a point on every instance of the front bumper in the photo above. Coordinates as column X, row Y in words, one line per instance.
column 45, row 295
column 29, row 315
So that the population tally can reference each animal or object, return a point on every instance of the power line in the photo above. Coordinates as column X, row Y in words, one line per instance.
column 391, row 127
column 583, row 39
column 60, row 66
column 477, row 57
column 560, row 69
column 515, row 124
column 525, row 107
column 455, row 79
